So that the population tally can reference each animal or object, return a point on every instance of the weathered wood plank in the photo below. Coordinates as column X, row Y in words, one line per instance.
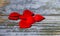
column 49, row 26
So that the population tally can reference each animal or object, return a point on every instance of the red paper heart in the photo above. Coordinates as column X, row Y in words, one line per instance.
column 38, row 17
column 14, row 16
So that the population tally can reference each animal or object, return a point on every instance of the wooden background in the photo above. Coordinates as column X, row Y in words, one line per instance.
column 48, row 27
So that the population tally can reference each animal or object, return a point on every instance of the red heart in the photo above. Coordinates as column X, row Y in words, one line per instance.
column 14, row 16
column 38, row 17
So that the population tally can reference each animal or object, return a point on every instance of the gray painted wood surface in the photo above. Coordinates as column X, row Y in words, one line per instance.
column 50, row 9
column 48, row 27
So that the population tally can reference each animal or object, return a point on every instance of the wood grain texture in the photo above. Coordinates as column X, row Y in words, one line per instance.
column 47, row 27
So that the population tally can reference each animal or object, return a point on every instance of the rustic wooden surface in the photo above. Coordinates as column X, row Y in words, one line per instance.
column 50, row 9
column 48, row 27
